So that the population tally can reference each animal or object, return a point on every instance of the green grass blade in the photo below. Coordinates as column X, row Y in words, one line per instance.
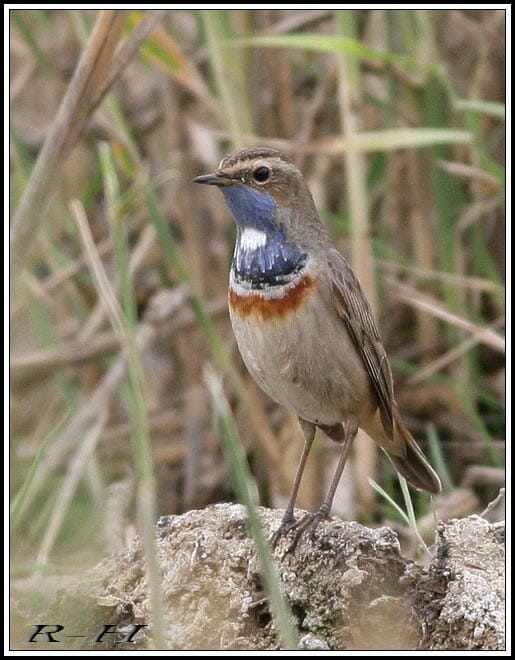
column 390, row 139
column 411, row 512
column 135, row 394
column 390, row 501
column 228, row 73
column 175, row 258
column 247, row 493
column 437, row 457
column 490, row 108
column 325, row 44
column 19, row 500
column 28, row 36
column 409, row 517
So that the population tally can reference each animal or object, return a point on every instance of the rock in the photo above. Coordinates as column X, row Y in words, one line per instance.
column 349, row 587
column 470, row 567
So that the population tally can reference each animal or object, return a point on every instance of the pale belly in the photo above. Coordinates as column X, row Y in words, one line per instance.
column 305, row 361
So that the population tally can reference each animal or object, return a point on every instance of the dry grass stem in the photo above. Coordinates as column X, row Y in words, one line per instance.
column 349, row 93
column 447, row 358
column 72, row 112
column 473, row 283
column 107, row 296
column 65, row 443
column 433, row 306
column 75, row 472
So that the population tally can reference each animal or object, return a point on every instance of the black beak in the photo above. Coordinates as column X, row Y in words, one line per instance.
column 215, row 179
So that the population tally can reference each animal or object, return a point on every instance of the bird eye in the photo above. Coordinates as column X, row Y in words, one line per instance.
column 261, row 174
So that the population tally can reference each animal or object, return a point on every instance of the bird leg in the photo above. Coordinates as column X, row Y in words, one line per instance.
column 312, row 520
column 288, row 521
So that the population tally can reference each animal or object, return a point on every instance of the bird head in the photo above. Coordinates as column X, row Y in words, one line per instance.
column 266, row 192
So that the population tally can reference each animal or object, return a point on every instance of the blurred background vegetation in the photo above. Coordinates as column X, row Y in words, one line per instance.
column 120, row 263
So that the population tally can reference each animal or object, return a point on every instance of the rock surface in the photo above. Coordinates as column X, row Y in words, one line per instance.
column 471, row 565
column 349, row 588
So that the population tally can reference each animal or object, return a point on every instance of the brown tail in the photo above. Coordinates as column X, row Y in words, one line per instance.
column 414, row 466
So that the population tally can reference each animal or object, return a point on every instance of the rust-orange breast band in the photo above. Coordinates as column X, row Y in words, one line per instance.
column 268, row 308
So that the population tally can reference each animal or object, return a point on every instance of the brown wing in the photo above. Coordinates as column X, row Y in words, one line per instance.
column 354, row 310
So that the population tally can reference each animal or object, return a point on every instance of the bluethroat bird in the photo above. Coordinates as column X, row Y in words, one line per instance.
column 303, row 325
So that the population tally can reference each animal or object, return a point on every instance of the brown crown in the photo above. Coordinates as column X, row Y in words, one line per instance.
column 250, row 154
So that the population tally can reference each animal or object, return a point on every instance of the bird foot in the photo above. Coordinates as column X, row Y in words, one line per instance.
column 287, row 523
column 309, row 521
column 298, row 527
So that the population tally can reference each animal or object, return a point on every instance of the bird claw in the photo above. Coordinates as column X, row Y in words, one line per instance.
column 298, row 527
column 308, row 521
column 287, row 523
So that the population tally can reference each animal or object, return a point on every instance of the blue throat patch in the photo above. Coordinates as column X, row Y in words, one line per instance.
column 249, row 207
column 273, row 262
